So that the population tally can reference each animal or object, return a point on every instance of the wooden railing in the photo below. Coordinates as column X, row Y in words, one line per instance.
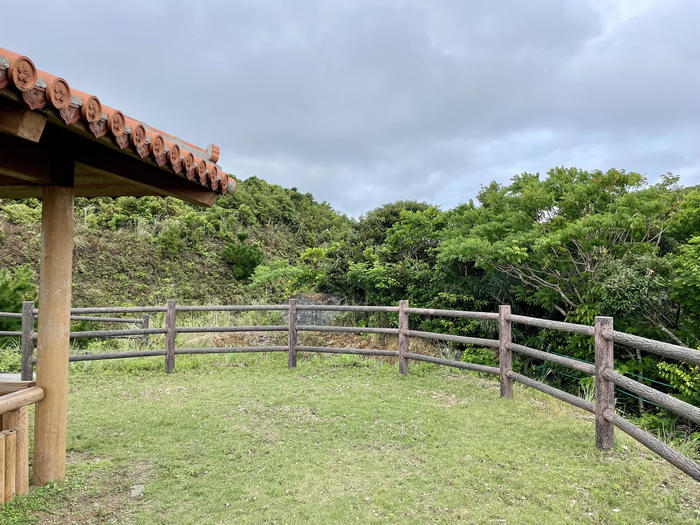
column 15, row 398
column 606, row 378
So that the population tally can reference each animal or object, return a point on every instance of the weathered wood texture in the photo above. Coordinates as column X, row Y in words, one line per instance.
column 676, row 459
column 18, row 420
column 347, row 329
column 552, row 325
column 97, row 334
column 604, row 389
column 53, row 334
column 170, row 334
column 234, row 308
column 487, row 316
column 21, row 122
column 347, row 308
column 27, row 343
column 404, row 343
column 681, row 353
column 554, row 392
column 98, row 319
column 505, row 356
column 354, row 351
column 232, row 350
column 456, row 364
column 216, row 329
column 10, row 464
column 2, row 467
column 476, row 341
column 681, row 408
column 292, row 334
column 24, row 397
column 117, row 309
column 552, row 358
column 117, row 355
column 8, row 387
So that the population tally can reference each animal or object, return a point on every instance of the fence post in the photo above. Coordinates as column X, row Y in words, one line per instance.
column 170, row 336
column 27, row 340
column 145, row 324
column 604, row 389
column 403, row 337
column 505, row 355
column 292, row 318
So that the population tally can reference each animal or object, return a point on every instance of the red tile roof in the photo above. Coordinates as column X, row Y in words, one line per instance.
column 40, row 90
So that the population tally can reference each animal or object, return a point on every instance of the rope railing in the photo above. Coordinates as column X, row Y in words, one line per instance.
column 602, row 369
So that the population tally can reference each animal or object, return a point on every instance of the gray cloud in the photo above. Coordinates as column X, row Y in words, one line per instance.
column 363, row 102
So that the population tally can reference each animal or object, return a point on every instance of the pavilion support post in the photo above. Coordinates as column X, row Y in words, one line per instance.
column 55, row 272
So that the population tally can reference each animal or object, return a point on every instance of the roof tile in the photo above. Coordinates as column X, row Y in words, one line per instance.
column 40, row 90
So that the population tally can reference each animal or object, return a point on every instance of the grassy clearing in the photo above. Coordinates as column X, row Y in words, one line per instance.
column 242, row 439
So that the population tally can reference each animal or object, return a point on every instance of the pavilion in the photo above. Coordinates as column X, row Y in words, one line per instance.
column 57, row 143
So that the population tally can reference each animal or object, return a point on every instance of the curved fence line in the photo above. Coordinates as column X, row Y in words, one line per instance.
column 606, row 378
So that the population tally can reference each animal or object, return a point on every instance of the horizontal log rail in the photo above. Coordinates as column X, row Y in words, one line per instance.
column 554, row 392
column 215, row 329
column 231, row 350
column 606, row 378
column 681, row 353
column 681, row 408
column 354, row 351
column 453, row 363
column 347, row 329
column 97, row 319
column 486, row 316
column 551, row 325
column 553, row 358
column 347, row 308
column 21, row 398
column 96, row 334
column 234, row 308
column 8, row 387
column 476, row 341
column 657, row 446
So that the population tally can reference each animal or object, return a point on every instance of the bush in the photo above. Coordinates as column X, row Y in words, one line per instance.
column 243, row 258
column 19, row 213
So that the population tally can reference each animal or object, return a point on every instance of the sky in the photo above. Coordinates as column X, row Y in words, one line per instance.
column 364, row 102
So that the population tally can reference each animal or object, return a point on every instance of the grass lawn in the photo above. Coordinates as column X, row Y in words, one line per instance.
column 228, row 439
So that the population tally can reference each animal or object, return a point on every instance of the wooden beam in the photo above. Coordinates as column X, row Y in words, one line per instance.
column 125, row 164
column 21, row 122
column 53, row 334
column 24, row 160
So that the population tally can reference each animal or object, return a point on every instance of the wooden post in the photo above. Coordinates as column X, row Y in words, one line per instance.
column 145, row 324
column 54, row 333
column 604, row 389
column 292, row 317
column 18, row 420
column 2, row 467
column 403, row 337
column 505, row 355
column 170, row 336
column 27, row 340
column 10, row 462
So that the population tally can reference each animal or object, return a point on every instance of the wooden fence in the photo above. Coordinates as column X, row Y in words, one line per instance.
column 605, row 337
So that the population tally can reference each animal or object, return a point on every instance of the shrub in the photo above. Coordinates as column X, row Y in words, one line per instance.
column 243, row 258
column 19, row 213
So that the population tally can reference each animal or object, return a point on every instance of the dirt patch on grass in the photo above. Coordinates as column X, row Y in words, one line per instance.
column 101, row 494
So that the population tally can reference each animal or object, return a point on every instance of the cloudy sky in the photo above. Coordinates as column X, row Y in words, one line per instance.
column 366, row 102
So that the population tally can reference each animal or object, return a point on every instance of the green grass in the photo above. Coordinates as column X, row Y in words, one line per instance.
column 242, row 439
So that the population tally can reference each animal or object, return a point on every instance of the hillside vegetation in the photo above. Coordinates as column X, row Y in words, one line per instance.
column 569, row 246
